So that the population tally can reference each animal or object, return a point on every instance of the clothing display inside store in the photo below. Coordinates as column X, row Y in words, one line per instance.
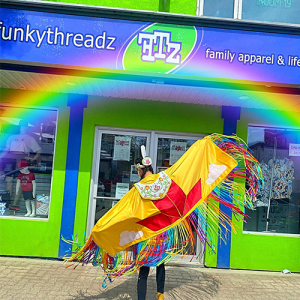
column 283, row 175
column 26, row 158
column 277, row 204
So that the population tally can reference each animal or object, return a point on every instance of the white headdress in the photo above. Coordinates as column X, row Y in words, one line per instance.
column 147, row 161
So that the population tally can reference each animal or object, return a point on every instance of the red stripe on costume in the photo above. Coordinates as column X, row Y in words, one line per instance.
column 173, row 206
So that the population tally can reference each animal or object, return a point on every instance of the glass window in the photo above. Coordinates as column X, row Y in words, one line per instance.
column 117, row 173
column 27, row 140
column 218, row 8
column 277, row 204
column 169, row 150
column 286, row 11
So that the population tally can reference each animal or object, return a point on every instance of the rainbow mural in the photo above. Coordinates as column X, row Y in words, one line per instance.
column 222, row 58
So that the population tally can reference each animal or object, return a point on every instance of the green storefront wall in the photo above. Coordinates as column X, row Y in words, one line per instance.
column 41, row 238
column 188, row 7
column 264, row 251
column 135, row 114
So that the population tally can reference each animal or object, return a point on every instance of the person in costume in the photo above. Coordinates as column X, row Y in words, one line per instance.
column 144, row 168
column 154, row 221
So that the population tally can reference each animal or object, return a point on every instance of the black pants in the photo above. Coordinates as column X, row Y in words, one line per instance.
column 142, row 281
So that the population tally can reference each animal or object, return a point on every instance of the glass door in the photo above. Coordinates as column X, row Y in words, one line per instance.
column 169, row 149
column 113, row 169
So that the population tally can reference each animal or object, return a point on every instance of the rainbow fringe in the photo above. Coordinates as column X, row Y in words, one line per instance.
column 236, row 192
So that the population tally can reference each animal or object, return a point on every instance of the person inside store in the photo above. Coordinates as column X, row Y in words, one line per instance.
column 18, row 147
column 144, row 168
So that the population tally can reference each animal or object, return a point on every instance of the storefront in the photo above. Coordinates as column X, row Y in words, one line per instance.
column 78, row 102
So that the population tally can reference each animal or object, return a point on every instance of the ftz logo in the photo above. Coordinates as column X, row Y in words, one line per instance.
column 166, row 49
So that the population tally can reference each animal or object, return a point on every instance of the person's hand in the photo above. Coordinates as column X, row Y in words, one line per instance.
column 29, row 158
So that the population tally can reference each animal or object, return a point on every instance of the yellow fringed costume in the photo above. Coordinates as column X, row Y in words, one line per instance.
column 154, row 220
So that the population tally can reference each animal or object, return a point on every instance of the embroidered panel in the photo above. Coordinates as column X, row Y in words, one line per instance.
column 156, row 190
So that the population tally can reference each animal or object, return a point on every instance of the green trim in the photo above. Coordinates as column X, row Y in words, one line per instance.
column 127, row 4
column 171, row 6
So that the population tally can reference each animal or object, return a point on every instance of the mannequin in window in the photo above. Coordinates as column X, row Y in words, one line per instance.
column 19, row 147
column 26, row 183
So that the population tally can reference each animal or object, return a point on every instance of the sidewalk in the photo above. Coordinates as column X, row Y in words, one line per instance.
column 47, row 279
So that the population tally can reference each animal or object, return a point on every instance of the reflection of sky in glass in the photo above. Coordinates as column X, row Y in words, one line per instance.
column 38, row 121
column 286, row 11
column 255, row 135
column 14, row 121
column 218, row 8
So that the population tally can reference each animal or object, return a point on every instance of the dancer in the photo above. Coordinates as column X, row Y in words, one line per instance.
column 144, row 168
column 153, row 222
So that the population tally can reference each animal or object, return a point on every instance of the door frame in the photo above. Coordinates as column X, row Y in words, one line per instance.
column 151, row 149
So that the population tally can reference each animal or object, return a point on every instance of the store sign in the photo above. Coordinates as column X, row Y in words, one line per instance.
column 294, row 149
column 121, row 190
column 177, row 149
column 122, row 148
column 111, row 44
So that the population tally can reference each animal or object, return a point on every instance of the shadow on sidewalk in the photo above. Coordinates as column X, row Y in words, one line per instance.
column 189, row 285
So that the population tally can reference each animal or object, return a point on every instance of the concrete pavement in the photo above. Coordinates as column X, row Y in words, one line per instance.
column 49, row 279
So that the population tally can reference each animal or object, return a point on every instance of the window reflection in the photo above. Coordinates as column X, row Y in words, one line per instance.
column 286, row 11
column 218, row 8
column 277, row 204
column 27, row 138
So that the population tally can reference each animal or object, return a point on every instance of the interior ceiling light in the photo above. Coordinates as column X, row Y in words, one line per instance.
column 244, row 97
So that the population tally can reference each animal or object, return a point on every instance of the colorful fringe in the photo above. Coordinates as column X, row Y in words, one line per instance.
column 236, row 192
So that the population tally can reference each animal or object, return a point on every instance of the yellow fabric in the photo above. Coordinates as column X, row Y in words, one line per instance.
column 118, row 228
